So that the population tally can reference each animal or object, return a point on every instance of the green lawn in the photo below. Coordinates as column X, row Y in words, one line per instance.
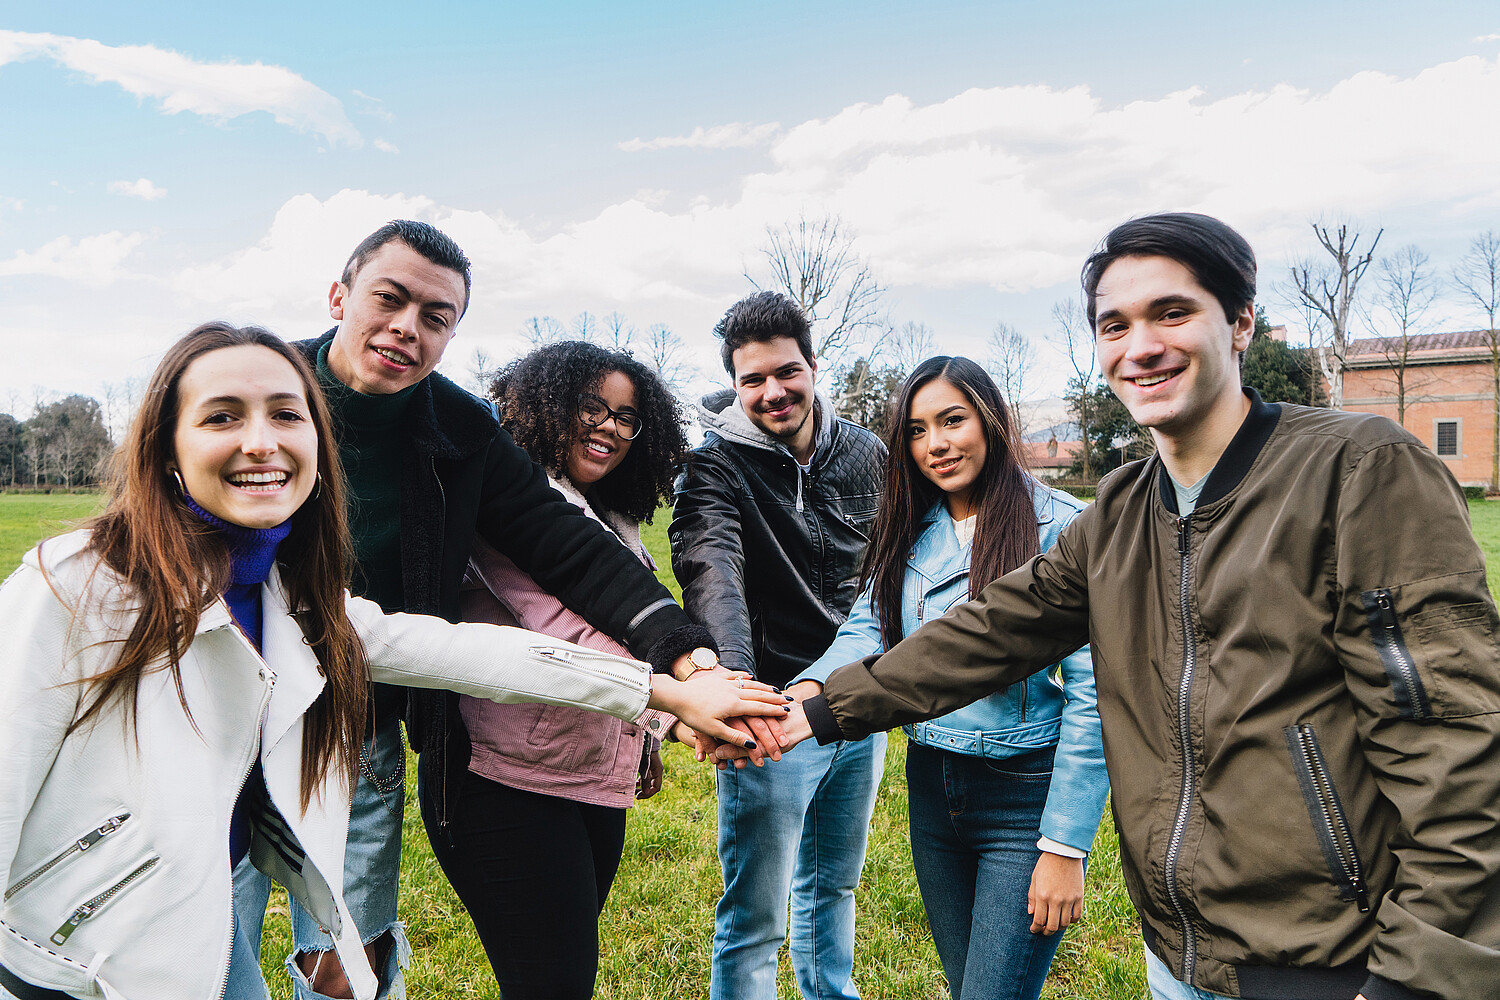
column 658, row 924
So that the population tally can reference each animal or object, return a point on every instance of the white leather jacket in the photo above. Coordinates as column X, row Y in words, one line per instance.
column 114, row 839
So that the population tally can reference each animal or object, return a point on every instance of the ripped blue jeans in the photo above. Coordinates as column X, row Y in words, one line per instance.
column 372, row 864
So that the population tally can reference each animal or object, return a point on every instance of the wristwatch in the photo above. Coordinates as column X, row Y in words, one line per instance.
column 701, row 658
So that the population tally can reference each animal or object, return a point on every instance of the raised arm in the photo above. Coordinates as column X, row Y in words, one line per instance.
column 577, row 560
column 708, row 556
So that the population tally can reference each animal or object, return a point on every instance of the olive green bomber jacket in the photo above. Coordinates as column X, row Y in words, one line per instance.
column 1300, row 693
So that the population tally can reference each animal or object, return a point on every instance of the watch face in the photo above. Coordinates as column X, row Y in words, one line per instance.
column 703, row 658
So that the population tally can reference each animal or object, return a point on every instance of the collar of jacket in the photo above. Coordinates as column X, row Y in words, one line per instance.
column 442, row 419
column 299, row 680
column 1232, row 466
column 936, row 555
column 721, row 413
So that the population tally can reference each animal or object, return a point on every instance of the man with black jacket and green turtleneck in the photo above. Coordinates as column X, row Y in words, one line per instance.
column 430, row 469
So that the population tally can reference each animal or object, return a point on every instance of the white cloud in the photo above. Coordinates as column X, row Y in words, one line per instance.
column 1487, row 38
column 386, row 147
column 1001, row 188
column 142, row 188
column 217, row 91
column 93, row 260
column 736, row 135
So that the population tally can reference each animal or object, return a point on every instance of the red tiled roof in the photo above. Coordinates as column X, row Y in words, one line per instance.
column 1457, row 341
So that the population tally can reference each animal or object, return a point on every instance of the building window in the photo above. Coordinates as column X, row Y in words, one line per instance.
column 1445, row 432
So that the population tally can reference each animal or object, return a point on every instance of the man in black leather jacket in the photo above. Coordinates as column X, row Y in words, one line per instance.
column 768, row 531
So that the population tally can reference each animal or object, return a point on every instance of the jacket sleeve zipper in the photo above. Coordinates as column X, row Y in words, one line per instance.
column 80, row 845
column 1385, row 632
column 88, row 909
column 1330, row 811
column 1184, row 733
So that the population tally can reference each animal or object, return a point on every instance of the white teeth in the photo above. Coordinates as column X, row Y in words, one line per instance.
column 1151, row 380
column 260, row 481
column 399, row 359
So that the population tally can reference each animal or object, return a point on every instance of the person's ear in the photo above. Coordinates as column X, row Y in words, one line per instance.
column 336, row 293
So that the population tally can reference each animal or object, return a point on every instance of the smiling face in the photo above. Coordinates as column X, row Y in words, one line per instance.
column 245, row 444
column 597, row 451
column 395, row 320
column 774, row 383
column 1169, row 352
column 947, row 443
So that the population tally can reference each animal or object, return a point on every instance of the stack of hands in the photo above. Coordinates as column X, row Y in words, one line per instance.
column 729, row 717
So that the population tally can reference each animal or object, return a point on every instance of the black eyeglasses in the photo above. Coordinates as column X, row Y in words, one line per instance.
column 593, row 411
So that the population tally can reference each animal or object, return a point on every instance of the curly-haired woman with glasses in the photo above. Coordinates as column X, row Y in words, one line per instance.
column 539, row 826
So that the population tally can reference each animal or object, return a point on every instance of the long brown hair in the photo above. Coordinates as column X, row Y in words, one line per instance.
column 176, row 566
column 1005, row 534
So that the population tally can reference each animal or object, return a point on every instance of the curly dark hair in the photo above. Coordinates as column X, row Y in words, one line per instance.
column 538, row 400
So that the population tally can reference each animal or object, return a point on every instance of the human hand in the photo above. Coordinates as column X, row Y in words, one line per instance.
column 650, row 780
column 795, row 727
column 709, row 700
column 1055, row 898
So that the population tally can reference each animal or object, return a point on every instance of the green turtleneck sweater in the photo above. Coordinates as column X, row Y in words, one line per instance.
column 370, row 447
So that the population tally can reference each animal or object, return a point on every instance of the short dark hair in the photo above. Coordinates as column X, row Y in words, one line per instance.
column 1220, row 259
column 538, row 400
column 425, row 239
column 761, row 317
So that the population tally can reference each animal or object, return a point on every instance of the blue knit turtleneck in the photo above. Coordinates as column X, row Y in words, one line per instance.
column 252, row 553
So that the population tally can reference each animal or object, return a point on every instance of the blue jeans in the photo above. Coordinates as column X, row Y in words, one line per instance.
column 372, row 861
column 1165, row 986
column 796, row 829
column 974, row 827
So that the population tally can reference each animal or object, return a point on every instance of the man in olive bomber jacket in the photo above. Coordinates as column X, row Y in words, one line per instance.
column 1296, row 656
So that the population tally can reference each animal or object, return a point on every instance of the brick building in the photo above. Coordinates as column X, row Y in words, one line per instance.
column 1449, row 394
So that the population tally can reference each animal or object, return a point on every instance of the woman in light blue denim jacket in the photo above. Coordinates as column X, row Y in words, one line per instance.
column 1006, row 793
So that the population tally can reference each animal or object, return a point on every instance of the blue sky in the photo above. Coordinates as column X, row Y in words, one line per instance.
column 165, row 167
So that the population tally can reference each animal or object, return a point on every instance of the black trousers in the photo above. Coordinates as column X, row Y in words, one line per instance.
column 533, row 871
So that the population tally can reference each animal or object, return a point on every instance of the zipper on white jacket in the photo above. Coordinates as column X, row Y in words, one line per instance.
column 78, row 846
column 88, row 909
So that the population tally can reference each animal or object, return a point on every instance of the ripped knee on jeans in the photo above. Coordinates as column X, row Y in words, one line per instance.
column 319, row 974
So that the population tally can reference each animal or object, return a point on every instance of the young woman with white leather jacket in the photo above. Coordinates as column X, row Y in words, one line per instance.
column 185, row 682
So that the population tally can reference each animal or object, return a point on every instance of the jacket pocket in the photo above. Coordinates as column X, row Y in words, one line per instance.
column 1327, row 815
column 73, row 851
column 1400, row 668
column 101, row 899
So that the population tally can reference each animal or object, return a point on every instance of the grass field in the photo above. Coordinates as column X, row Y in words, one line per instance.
column 658, row 923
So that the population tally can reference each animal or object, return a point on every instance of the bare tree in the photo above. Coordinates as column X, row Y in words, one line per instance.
column 907, row 346
column 1073, row 338
column 1478, row 276
column 615, row 332
column 542, row 330
column 666, row 353
column 583, row 327
column 120, row 402
column 1405, row 289
column 1331, row 293
column 813, row 262
column 1010, row 357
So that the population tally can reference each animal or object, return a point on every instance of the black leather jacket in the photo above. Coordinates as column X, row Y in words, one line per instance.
column 768, row 556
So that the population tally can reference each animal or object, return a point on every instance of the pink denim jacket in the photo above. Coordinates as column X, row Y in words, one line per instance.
column 551, row 749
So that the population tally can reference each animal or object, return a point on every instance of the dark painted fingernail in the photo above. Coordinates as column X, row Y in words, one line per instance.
column 789, row 697
column 749, row 744
column 786, row 708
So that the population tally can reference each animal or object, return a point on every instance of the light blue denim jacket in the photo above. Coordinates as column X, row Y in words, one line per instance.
column 1054, row 706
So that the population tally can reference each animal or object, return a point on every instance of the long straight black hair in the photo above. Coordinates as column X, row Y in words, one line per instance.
column 1005, row 534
